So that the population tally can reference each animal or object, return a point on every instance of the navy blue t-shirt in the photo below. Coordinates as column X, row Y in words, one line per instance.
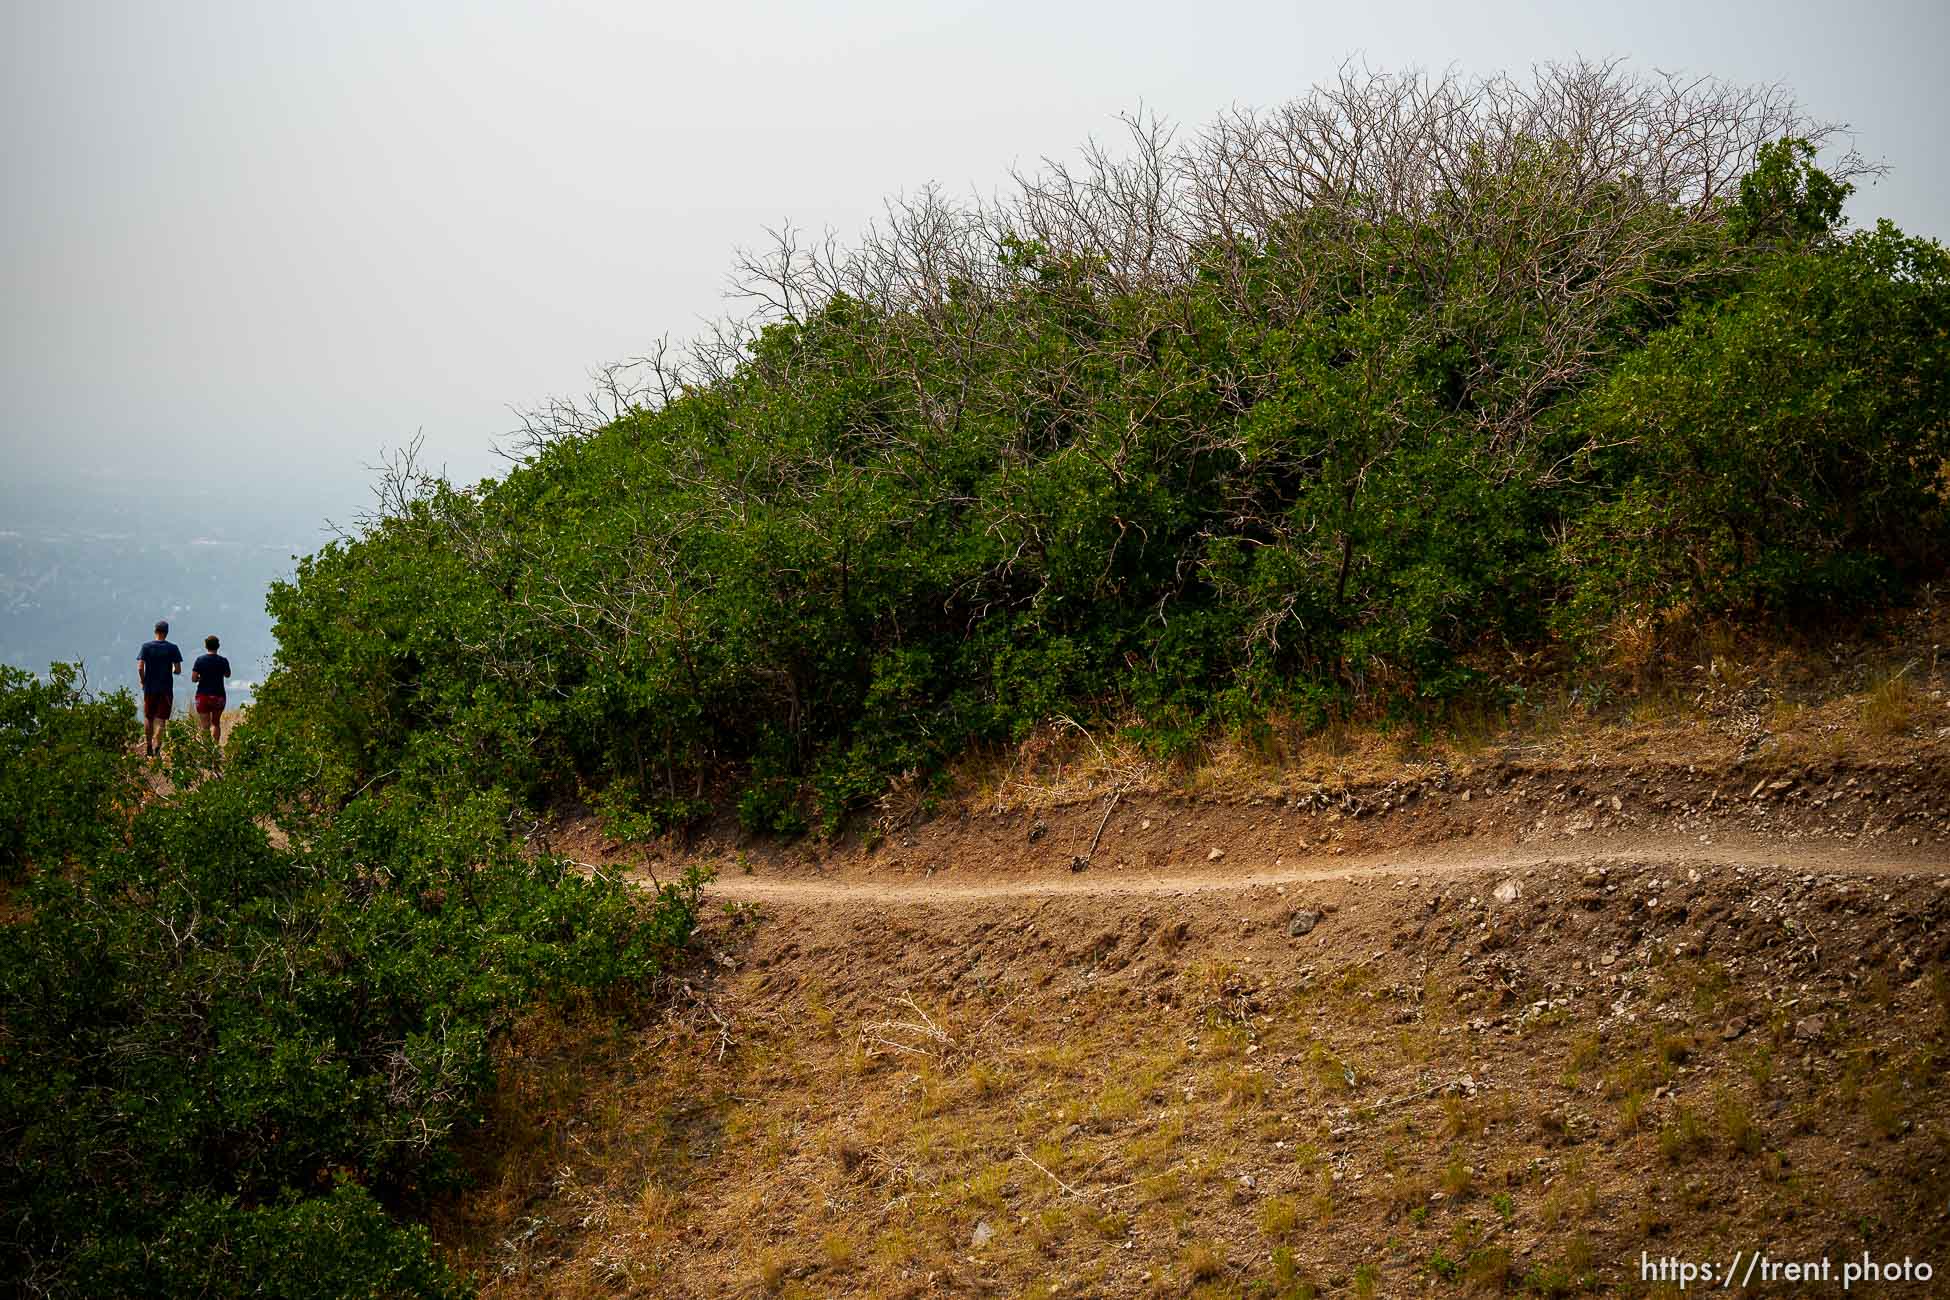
column 159, row 660
column 210, row 670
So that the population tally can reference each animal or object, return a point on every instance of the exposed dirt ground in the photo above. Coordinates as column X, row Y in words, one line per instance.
column 1495, row 1025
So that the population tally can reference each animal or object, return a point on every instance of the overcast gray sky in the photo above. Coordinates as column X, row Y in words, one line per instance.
column 292, row 234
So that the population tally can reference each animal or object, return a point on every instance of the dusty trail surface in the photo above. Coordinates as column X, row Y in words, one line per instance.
column 1454, row 860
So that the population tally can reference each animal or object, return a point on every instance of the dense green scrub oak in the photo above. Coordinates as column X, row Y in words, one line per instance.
column 1348, row 458
column 63, row 776
column 1783, row 449
column 233, row 1063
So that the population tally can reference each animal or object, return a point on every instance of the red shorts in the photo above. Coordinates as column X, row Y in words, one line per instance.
column 208, row 704
column 156, row 707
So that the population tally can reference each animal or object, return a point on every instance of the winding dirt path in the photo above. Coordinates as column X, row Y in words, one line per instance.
column 1461, row 858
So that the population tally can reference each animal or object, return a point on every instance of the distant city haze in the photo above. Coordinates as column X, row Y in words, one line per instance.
column 249, row 247
column 86, row 570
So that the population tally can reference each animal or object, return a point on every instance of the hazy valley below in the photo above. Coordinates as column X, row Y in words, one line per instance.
column 87, row 567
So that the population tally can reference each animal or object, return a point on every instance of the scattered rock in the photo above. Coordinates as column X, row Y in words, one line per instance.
column 1302, row 924
column 982, row 1235
column 1215, row 855
column 1507, row 892
column 1036, row 832
column 1809, row 1028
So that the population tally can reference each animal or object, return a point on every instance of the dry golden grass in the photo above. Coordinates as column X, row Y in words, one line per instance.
column 838, row 1250
column 1666, row 689
column 1278, row 1217
column 1201, row 1261
column 1203, row 1118
column 1891, row 705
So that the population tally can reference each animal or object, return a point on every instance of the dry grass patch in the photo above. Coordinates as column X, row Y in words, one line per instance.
column 839, row 1251
column 1331, row 1074
column 1114, row 1104
column 660, row 1207
column 1891, row 704
column 1241, row 1087
column 1278, row 1217
column 1155, row 1149
column 1458, row 1179
column 1463, row 1118
column 1063, row 1059
column 1571, row 1198
column 1201, row 1261
column 1400, row 1194
column 1683, row 1136
column 985, row 1081
column 1882, row 1107
column 1488, row 1270
column 770, row 1269
column 1737, row 1123
column 989, row 1187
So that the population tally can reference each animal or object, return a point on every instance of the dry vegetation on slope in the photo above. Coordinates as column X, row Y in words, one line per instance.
column 1485, row 1024
column 1149, row 1094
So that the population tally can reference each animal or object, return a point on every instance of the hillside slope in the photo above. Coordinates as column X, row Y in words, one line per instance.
column 1508, row 1041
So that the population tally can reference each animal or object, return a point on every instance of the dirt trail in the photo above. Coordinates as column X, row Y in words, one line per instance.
column 1456, row 859
column 1889, row 819
column 1510, row 1033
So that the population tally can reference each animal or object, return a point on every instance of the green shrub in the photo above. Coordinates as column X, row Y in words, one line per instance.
column 209, row 1030
column 67, row 774
column 1351, row 459
column 771, row 807
column 325, row 1247
column 626, row 814
column 1780, row 452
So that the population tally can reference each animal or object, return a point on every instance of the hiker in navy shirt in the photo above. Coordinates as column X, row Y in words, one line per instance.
column 208, row 673
column 156, row 666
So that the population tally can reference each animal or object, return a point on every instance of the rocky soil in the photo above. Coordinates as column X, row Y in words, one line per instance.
column 1509, row 1026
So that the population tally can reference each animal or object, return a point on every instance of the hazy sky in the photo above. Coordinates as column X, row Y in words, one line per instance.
column 281, row 236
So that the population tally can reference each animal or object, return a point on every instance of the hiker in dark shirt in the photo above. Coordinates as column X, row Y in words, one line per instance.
column 208, row 673
column 156, row 666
